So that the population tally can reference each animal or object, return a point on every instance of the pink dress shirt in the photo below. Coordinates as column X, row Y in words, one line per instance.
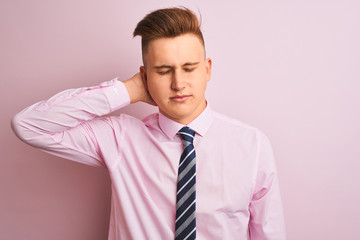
column 237, row 186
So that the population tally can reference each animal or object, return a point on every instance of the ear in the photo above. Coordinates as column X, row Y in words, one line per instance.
column 144, row 76
column 208, row 65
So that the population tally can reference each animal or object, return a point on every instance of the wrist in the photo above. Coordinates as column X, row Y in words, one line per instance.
column 132, row 90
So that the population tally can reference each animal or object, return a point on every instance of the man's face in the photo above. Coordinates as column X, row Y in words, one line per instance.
column 176, row 75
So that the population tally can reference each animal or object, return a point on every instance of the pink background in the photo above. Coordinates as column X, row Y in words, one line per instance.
column 290, row 68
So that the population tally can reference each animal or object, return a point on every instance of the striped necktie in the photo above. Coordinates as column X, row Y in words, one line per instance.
column 185, row 223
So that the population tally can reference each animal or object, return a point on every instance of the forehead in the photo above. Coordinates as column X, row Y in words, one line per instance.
column 174, row 51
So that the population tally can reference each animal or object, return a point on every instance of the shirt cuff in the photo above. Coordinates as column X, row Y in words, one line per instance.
column 116, row 94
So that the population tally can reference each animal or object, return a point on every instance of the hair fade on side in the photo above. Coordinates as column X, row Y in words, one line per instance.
column 167, row 23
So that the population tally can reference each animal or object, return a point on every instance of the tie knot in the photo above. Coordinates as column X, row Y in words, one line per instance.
column 187, row 134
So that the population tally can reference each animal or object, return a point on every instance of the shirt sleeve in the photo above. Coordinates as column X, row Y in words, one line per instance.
column 266, row 213
column 64, row 124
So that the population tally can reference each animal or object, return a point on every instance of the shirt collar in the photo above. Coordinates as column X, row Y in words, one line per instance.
column 200, row 124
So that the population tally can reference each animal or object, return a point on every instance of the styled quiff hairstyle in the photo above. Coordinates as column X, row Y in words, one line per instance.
column 167, row 23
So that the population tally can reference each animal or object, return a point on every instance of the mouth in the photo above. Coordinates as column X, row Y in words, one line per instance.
column 180, row 98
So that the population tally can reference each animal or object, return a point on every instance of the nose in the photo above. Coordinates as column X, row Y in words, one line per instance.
column 177, row 81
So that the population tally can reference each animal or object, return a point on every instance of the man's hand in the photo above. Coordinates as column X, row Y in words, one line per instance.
column 137, row 90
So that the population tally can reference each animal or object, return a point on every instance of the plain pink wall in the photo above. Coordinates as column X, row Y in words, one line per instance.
column 290, row 68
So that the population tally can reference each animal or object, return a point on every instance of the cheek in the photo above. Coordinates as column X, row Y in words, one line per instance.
column 156, row 89
column 202, row 81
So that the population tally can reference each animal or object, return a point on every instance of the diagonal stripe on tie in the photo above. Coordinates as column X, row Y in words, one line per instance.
column 184, row 197
column 186, row 154
column 185, row 223
column 185, row 170
column 185, row 185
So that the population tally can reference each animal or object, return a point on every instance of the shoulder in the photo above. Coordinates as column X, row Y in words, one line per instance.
column 118, row 121
column 150, row 122
column 231, row 123
column 237, row 129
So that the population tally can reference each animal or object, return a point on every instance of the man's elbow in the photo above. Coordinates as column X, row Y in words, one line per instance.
column 18, row 126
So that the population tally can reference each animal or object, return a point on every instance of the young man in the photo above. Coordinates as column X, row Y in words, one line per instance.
column 182, row 173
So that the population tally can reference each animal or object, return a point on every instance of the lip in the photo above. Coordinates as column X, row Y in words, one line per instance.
column 180, row 98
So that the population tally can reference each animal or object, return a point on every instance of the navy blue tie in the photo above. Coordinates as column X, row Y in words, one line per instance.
column 185, row 223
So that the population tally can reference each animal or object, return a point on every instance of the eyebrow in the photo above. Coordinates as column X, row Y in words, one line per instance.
column 184, row 65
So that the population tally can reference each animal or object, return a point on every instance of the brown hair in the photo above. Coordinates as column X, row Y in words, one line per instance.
column 167, row 23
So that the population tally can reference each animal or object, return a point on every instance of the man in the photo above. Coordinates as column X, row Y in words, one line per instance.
column 185, row 172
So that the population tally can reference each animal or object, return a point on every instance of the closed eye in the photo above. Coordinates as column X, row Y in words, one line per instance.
column 164, row 72
column 189, row 69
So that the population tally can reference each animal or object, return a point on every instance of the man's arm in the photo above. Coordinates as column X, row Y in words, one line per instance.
column 266, row 213
column 63, row 125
